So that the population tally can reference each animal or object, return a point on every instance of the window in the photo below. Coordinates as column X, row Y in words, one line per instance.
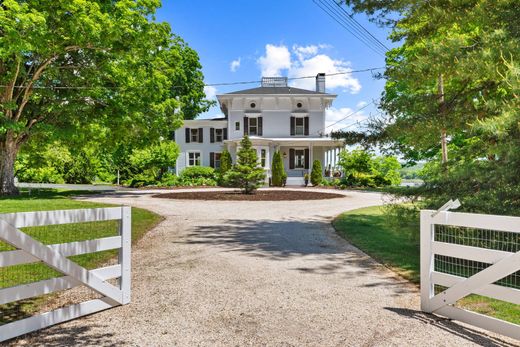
column 299, row 159
column 299, row 126
column 194, row 135
column 299, row 105
column 216, row 160
column 253, row 105
column 219, row 135
column 253, row 126
column 237, row 126
column 193, row 158
column 263, row 153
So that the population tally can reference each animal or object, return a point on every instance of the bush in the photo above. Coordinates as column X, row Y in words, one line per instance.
column 277, row 170
column 225, row 162
column 198, row 172
column 246, row 173
column 316, row 173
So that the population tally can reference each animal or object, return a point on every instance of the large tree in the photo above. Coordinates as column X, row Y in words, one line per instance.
column 84, row 70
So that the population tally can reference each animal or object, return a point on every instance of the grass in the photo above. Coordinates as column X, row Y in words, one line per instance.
column 372, row 231
column 142, row 221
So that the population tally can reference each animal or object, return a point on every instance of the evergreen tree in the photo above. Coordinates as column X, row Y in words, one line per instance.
column 225, row 162
column 246, row 174
column 277, row 170
column 316, row 173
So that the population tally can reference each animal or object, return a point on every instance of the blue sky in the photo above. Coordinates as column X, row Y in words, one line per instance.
column 287, row 38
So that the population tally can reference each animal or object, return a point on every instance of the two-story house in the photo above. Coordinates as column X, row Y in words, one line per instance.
column 275, row 117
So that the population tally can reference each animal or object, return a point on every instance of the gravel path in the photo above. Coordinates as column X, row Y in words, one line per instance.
column 235, row 273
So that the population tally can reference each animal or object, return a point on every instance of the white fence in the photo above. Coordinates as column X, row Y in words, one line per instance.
column 465, row 253
column 55, row 256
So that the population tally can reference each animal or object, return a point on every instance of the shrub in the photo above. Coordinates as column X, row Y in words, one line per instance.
column 246, row 173
column 316, row 173
column 155, row 160
column 225, row 162
column 277, row 170
column 198, row 172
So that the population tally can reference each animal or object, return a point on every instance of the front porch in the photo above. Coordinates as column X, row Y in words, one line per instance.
column 298, row 155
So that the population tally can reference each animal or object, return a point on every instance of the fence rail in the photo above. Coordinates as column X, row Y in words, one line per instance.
column 29, row 249
column 465, row 253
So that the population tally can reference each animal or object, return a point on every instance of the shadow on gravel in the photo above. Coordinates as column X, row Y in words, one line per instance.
column 282, row 240
column 466, row 333
column 67, row 336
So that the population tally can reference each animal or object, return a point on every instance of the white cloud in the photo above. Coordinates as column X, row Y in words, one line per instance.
column 276, row 59
column 308, row 61
column 334, row 119
column 210, row 92
column 361, row 104
column 234, row 65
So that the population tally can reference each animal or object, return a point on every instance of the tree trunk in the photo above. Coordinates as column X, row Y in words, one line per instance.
column 8, row 152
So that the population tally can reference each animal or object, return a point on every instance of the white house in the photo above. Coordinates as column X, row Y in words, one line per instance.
column 275, row 117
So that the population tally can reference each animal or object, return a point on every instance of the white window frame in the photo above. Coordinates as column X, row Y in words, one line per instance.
column 194, row 135
column 217, row 135
column 215, row 161
column 255, row 126
column 296, row 157
column 188, row 164
column 301, row 127
column 237, row 126
column 263, row 157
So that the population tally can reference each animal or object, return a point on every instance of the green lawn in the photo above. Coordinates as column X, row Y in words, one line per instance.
column 142, row 221
column 370, row 230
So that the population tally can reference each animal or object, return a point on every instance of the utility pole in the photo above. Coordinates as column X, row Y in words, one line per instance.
column 442, row 113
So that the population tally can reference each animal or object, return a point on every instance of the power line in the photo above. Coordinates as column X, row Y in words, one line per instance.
column 205, row 85
column 357, row 24
column 347, row 23
column 348, row 116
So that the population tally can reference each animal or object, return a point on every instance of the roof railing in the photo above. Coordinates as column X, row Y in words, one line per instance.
column 274, row 81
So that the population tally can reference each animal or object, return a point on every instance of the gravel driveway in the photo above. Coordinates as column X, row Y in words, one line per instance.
column 234, row 273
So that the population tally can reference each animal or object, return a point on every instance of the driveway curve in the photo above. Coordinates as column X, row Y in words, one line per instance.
column 222, row 273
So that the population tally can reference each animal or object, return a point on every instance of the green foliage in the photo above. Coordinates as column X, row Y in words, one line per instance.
column 106, row 71
column 363, row 169
column 198, row 171
column 246, row 174
column 316, row 173
column 474, row 47
column 277, row 170
column 155, row 160
column 225, row 162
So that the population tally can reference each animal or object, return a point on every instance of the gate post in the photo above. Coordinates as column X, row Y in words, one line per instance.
column 427, row 260
column 125, row 257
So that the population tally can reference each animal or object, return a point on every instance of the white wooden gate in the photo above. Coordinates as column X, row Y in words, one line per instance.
column 465, row 253
column 29, row 250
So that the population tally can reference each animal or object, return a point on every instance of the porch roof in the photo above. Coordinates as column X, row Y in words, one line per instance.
column 292, row 141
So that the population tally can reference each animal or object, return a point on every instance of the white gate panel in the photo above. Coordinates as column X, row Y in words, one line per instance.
column 493, row 265
column 55, row 256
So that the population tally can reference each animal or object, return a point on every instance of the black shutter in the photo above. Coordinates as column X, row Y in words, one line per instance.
column 291, row 158
column 306, row 126
column 212, row 159
column 225, row 133
column 172, row 135
column 246, row 126
column 259, row 124
column 212, row 135
column 187, row 135
column 307, row 158
column 201, row 135
column 293, row 125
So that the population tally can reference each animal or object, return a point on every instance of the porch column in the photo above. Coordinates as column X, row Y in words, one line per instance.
column 310, row 156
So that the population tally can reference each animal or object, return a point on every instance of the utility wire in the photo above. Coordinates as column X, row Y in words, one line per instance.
column 346, row 22
column 205, row 85
column 348, row 116
column 350, row 17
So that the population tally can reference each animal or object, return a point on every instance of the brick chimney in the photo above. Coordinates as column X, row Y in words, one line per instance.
column 320, row 82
